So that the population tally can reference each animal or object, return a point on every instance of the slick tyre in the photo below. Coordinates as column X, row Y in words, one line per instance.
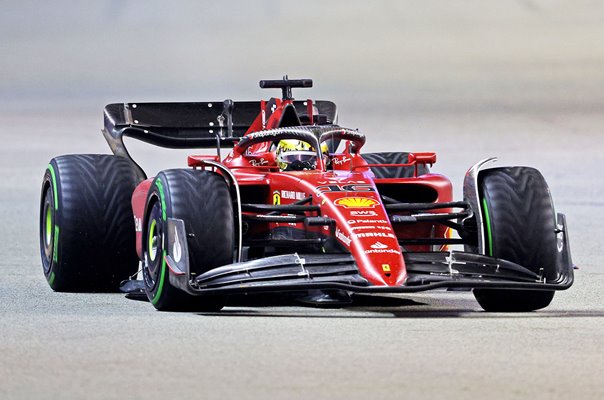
column 519, row 227
column 202, row 200
column 393, row 158
column 87, row 238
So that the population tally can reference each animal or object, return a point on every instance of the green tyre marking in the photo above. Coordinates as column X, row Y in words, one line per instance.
column 55, row 252
column 160, row 188
column 48, row 232
column 488, row 224
column 54, row 185
column 51, row 278
column 161, row 280
column 162, row 277
column 151, row 235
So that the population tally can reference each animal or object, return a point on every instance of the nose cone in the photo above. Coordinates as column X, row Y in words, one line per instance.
column 363, row 227
column 379, row 257
column 362, row 224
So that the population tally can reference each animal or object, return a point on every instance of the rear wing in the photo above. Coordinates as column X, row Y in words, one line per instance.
column 192, row 125
column 189, row 125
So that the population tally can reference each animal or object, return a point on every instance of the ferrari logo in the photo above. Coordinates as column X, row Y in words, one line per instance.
column 356, row 202
column 276, row 198
column 386, row 267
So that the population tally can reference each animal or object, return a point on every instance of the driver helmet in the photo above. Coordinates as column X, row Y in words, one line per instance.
column 295, row 155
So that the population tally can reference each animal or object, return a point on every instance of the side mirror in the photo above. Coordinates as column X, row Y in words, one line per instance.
column 422, row 158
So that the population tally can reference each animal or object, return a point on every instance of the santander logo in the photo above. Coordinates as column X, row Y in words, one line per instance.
column 378, row 245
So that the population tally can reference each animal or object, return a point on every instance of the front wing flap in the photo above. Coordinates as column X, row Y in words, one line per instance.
column 426, row 271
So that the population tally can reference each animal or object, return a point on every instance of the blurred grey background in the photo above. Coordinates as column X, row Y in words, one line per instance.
column 406, row 55
column 468, row 79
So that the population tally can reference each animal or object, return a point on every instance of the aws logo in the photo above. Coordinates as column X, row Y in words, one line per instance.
column 356, row 202
column 364, row 213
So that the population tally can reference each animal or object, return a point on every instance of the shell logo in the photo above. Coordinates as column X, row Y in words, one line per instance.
column 356, row 202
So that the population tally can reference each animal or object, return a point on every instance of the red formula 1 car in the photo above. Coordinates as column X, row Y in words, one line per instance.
column 294, row 208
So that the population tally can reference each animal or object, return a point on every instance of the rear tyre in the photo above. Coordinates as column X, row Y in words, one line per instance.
column 519, row 227
column 202, row 200
column 393, row 158
column 87, row 238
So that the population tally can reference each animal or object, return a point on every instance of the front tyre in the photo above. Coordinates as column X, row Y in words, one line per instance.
column 519, row 227
column 202, row 200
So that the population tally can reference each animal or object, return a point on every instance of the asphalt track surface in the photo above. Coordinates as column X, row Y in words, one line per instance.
column 432, row 345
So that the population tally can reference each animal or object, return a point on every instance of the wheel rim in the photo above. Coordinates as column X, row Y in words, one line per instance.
column 47, row 224
column 152, row 242
column 48, row 230
column 153, row 249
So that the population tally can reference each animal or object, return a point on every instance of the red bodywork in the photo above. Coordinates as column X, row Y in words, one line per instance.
column 348, row 192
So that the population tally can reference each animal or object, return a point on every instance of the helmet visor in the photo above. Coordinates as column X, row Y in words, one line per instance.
column 298, row 159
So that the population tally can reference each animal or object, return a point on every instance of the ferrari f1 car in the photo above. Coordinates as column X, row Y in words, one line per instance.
column 295, row 208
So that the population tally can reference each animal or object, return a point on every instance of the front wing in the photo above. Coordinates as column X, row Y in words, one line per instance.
column 302, row 272
column 433, row 270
